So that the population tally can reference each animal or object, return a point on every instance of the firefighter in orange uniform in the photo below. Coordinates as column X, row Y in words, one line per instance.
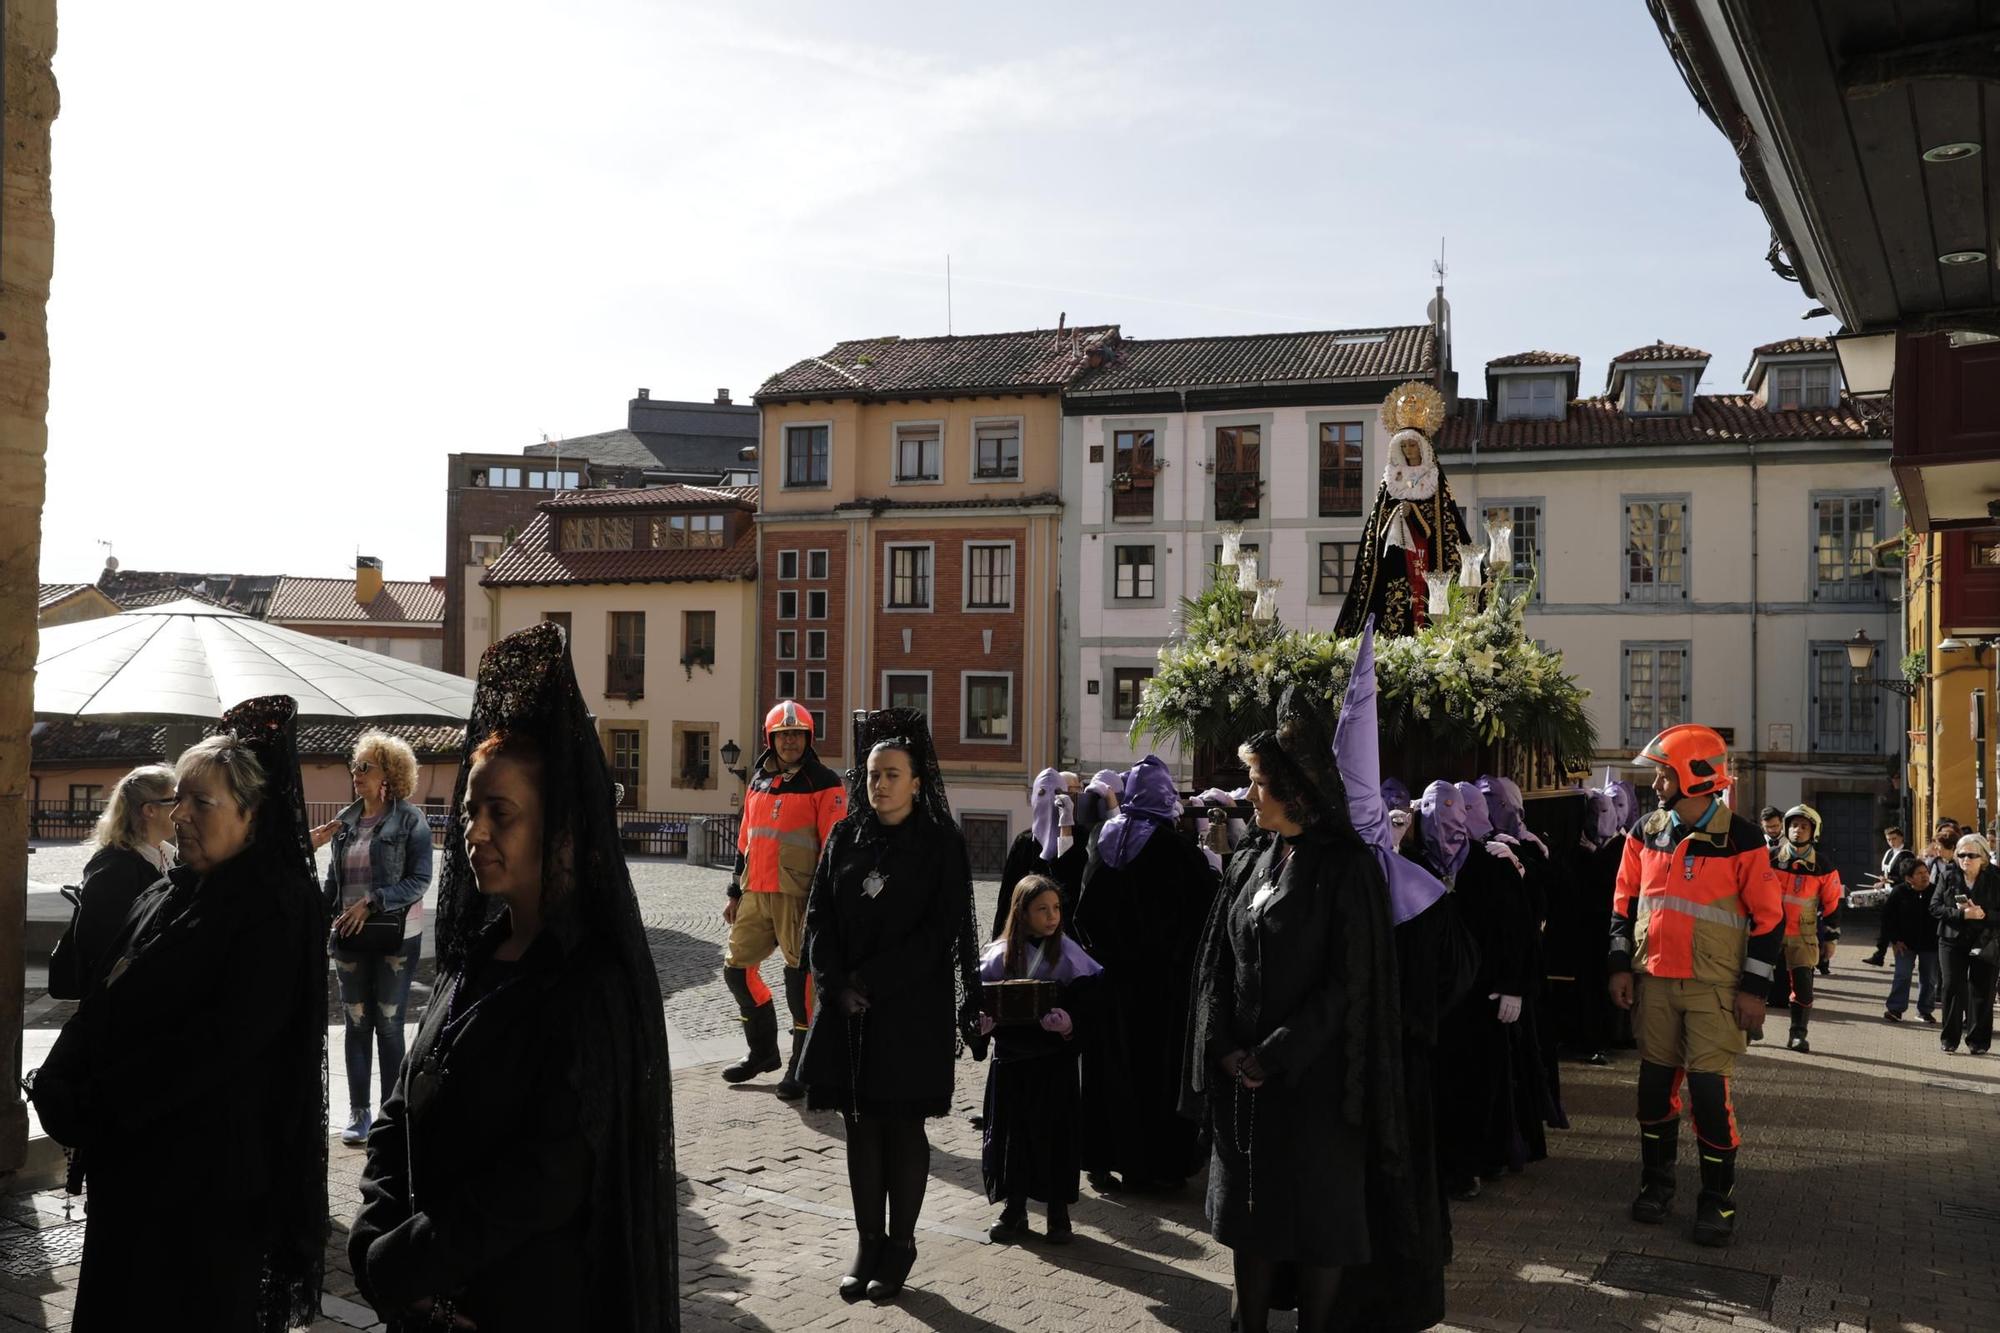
column 791, row 806
column 1812, row 893
column 1695, row 939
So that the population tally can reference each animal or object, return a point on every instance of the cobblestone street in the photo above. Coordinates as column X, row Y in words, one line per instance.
column 1869, row 1197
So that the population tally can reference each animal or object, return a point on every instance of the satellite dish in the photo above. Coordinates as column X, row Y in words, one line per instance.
column 1438, row 311
column 111, row 564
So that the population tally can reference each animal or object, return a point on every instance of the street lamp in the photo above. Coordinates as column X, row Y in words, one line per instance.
column 730, row 754
column 1861, row 656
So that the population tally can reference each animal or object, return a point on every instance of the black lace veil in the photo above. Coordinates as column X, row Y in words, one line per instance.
column 910, row 730
column 527, row 688
column 279, row 860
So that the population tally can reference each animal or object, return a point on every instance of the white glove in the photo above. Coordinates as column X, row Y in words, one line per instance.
column 1510, row 1007
column 1506, row 853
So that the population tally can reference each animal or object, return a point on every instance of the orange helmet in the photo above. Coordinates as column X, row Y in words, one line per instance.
column 1698, row 756
column 787, row 716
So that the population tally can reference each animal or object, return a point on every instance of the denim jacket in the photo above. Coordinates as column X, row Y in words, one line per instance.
column 400, row 853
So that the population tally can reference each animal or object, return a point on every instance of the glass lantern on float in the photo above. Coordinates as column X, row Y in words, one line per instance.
column 1440, row 594
column 1500, row 547
column 1468, row 568
column 1246, row 572
column 1232, row 545
column 1266, row 608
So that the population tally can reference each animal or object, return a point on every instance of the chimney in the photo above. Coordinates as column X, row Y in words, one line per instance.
column 367, row 579
column 644, row 394
column 722, row 398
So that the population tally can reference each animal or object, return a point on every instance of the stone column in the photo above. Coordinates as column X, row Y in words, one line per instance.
column 27, row 257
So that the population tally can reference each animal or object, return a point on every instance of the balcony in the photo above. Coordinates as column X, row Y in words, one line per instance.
column 1239, row 496
column 1339, row 494
column 1947, row 432
column 625, row 676
column 1132, row 494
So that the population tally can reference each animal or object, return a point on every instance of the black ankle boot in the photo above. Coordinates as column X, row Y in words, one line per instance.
column 789, row 1086
column 893, row 1269
column 1060, row 1232
column 1659, row 1152
column 867, row 1258
column 1715, row 1210
column 1012, row 1226
column 1801, row 1016
column 760, row 1030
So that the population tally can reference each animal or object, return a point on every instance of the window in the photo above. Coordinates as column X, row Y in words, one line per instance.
column 1844, row 713
column 907, row 689
column 1239, row 485
column 918, row 454
column 86, row 796
column 698, row 638
column 788, row 683
column 535, row 481
column 667, row 532
column 816, row 603
column 694, row 746
column 989, row 707
column 1340, row 468
column 806, row 456
column 815, row 645
column 788, row 644
column 1801, row 386
column 816, row 683
column 910, row 578
column 552, row 481
column 1526, row 516
column 1133, row 471
column 788, row 564
column 1655, row 550
column 1656, row 689
column 1845, row 529
column 1243, row 548
column 1529, row 397
column 996, row 451
column 788, row 604
column 485, row 550
column 705, row 530
column 496, row 476
column 595, row 533
column 1134, row 572
column 1336, row 567
column 1659, row 393
column 816, row 564
column 625, row 667
column 627, row 764
column 989, row 577
column 559, row 619
column 1127, row 687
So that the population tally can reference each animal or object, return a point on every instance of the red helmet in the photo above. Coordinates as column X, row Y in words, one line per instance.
column 787, row 716
column 1698, row 756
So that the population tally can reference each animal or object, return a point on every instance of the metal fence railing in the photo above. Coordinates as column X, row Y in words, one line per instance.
column 63, row 821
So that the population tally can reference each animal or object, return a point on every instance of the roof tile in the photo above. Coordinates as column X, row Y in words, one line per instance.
column 1534, row 359
column 51, row 593
column 892, row 366
column 1795, row 347
column 401, row 602
column 655, row 497
column 1598, row 423
column 1264, row 358
column 879, row 503
column 1661, row 351
column 530, row 562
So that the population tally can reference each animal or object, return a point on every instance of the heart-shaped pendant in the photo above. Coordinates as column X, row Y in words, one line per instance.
column 873, row 884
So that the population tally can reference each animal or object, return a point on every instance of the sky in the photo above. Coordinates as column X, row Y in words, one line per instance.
column 305, row 252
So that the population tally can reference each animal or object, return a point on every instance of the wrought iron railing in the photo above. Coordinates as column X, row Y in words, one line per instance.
column 1238, row 496
column 625, row 675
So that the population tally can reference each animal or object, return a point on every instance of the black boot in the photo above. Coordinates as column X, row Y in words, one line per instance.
column 854, row 1284
column 1659, row 1151
column 1801, row 1015
column 761, row 1031
column 789, row 1086
column 893, row 1269
column 1715, row 1210
column 1060, row 1231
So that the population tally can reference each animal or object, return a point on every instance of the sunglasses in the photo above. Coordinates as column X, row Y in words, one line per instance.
column 361, row 769
column 172, row 798
column 1970, row 856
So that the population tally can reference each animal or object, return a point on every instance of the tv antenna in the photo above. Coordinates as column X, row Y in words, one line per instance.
column 947, row 294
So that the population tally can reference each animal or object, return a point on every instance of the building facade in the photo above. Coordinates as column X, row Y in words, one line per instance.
column 399, row 618
column 656, row 589
column 1748, row 546
column 1168, row 440
column 908, row 546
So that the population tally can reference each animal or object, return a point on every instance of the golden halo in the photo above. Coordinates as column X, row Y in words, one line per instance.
column 1413, row 406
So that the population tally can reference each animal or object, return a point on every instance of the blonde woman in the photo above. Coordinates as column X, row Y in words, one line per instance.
column 381, row 867
column 134, row 851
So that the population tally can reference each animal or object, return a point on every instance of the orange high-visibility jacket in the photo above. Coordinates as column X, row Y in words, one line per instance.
column 1697, row 905
column 786, row 820
column 1812, row 899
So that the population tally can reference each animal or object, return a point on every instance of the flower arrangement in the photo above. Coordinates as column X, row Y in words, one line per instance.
column 1472, row 680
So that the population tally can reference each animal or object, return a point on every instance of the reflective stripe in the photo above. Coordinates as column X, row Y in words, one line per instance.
column 1757, row 969
column 790, row 837
column 1719, row 916
column 1801, row 897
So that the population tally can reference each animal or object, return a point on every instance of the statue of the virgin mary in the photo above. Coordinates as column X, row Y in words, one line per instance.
column 1414, row 530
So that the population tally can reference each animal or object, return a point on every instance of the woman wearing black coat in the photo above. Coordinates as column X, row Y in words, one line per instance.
column 190, row 1082
column 889, row 939
column 521, row 1176
column 134, row 842
column 1966, row 904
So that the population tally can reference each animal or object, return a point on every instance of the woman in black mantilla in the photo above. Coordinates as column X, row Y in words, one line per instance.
column 889, row 938
column 521, row 1176
column 192, row 1080
column 1415, row 528
column 1295, row 1044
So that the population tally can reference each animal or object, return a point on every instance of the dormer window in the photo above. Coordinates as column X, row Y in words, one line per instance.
column 1796, row 387
column 1531, row 397
column 1659, row 393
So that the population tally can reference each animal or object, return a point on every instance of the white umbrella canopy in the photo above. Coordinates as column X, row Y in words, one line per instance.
column 190, row 660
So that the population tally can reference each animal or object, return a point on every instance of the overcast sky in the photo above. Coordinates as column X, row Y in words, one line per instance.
column 300, row 259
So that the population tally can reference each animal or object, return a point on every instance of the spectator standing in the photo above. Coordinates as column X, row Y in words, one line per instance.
column 134, row 851
column 1967, row 907
column 1913, row 934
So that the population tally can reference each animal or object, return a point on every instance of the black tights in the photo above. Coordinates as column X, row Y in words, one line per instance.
column 1254, row 1279
column 888, row 1158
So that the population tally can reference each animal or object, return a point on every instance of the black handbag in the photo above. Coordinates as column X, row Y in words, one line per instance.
column 65, row 966
column 381, row 933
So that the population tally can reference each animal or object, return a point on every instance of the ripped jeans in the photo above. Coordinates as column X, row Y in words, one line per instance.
column 374, row 993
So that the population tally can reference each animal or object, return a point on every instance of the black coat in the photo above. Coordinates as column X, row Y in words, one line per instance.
column 477, row 1183
column 113, row 879
column 1954, row 931
column 1907, row 919
column 896, row 949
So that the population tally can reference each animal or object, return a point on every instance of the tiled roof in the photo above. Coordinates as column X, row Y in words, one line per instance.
column 879, row 503
column 1661, row 351
column 655, row 497
column 52, row 593
column 530, row 562
column 1264, row 358
column 1598, row 423
column 893, row 367
column 1534, row 359
column 401, row 602
column 81, row 740
column 1795, row 347
column 132, row 588
column 134, row 601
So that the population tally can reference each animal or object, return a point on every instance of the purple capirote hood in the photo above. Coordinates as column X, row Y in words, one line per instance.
column 1395, row 794
column 1478, row 819
column 1147, row 804
column 1357, row 750
column 1048, row 785
column 1601, row 820
column 1447, row 839
column 1508, row 810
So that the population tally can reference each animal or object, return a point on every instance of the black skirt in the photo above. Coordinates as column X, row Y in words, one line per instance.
column 1031, row 1147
